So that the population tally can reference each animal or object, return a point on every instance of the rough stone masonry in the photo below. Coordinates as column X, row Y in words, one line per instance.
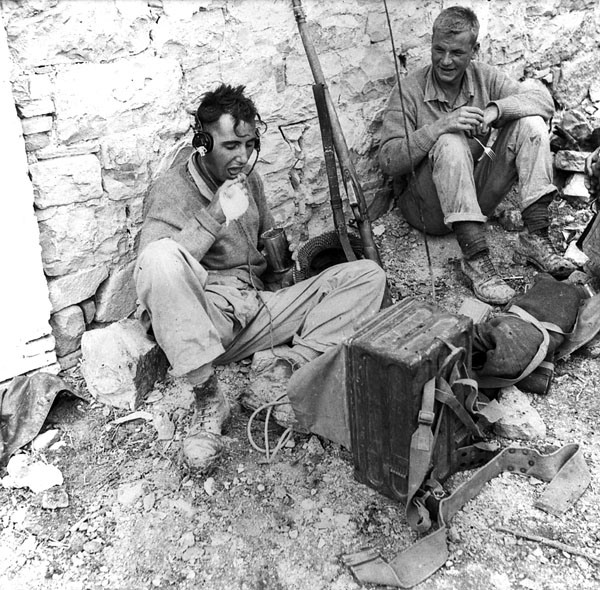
column 105, row 91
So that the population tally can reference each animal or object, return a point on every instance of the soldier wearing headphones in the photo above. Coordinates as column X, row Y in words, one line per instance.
column 199, row 269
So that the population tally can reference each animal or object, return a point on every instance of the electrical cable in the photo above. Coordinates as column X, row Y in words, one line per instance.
column 283, row 439
column 408, row 148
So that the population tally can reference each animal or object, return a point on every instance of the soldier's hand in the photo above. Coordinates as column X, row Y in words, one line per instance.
column 465, row 119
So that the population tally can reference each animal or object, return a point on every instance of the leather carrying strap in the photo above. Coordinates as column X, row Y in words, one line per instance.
column 339, row 220
column 423, row 439
column 565, row 469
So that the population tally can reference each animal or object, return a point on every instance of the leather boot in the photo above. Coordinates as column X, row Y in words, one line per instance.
column 538, row 250
column 269, row 375
column 485, row 281
column 204, row 444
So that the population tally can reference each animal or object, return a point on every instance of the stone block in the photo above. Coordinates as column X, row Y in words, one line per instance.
column 37, row 141
column 82, row 236
column 36, row 125
column 575, row 187
column 75, row 288
column 570, row 160
column 66, row 151
column 74, row 32
column 89, row 310
column 116, row 298
column 63, row 181
column 34, row 108
column 68, row 326
column 99, row 99
column 69, row 360
column 121, row 363
column 576, row 75
column 576, row 122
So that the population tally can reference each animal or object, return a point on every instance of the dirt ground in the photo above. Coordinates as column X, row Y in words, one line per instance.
column 137, row 519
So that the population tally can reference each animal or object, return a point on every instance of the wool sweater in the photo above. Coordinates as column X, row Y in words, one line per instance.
column 176, row 209
column 424, row 102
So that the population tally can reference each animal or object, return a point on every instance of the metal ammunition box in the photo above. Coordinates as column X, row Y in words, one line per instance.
column 388, row 362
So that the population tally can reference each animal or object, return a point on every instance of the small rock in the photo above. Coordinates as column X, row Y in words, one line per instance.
column 164, row 426
column 341, row 520
column 78, row 540
column 37, row 476
column 93, row 546
column 279, row 492
column 511, row 220
column 55, row 498
column 149, row 501
column 129, row 493
column 187, row 540
column 193, row 554
column 519, row 420
column 529, row 584
column 574, row 254
column 29, row 546
column 500, row 581
column 44, row 440
column 453, row 535
column 314, row 446
column 209, row 486
column 293, row 534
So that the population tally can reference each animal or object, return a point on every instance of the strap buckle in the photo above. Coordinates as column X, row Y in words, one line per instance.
column 426, row 417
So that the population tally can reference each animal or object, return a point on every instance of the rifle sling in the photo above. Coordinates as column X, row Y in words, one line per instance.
column 339, row 219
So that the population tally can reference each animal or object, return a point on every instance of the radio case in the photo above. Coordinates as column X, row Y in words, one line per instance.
column 388, row 362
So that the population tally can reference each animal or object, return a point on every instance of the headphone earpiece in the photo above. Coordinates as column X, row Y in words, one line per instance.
column 202, row 140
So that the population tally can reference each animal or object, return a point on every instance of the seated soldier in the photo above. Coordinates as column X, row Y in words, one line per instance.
column 198, row 274
column 433, row 128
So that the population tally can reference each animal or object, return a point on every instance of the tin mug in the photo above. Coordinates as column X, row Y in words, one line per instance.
column 277, row 250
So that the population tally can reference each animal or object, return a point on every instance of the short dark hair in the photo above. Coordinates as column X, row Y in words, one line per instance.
column 226, row 99
column 456, row 20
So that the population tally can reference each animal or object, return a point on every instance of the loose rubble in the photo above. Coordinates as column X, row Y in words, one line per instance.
column 135, row 517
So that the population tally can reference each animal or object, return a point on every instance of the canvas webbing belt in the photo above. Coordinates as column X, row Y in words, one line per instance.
column 565, row 469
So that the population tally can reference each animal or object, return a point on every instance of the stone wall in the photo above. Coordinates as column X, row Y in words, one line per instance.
column 106, row 89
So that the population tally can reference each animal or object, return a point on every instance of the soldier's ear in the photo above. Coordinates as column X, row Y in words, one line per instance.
column 476, row 47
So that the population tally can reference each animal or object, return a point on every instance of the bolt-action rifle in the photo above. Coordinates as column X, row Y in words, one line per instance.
column 350, row 181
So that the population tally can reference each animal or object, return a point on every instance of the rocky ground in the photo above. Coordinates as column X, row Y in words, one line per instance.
column 134, row 517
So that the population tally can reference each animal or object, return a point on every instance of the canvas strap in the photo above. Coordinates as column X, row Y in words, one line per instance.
column 565, row 469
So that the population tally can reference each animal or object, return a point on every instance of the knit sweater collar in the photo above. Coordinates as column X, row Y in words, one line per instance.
column 205, row 185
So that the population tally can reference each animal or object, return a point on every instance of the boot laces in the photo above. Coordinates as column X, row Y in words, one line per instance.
column 546, row 244
column 487, row 266
column 209, row 413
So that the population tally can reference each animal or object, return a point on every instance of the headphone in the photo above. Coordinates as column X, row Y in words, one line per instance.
column 203, row 141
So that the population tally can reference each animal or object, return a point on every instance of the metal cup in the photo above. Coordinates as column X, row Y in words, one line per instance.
column 277, row 251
